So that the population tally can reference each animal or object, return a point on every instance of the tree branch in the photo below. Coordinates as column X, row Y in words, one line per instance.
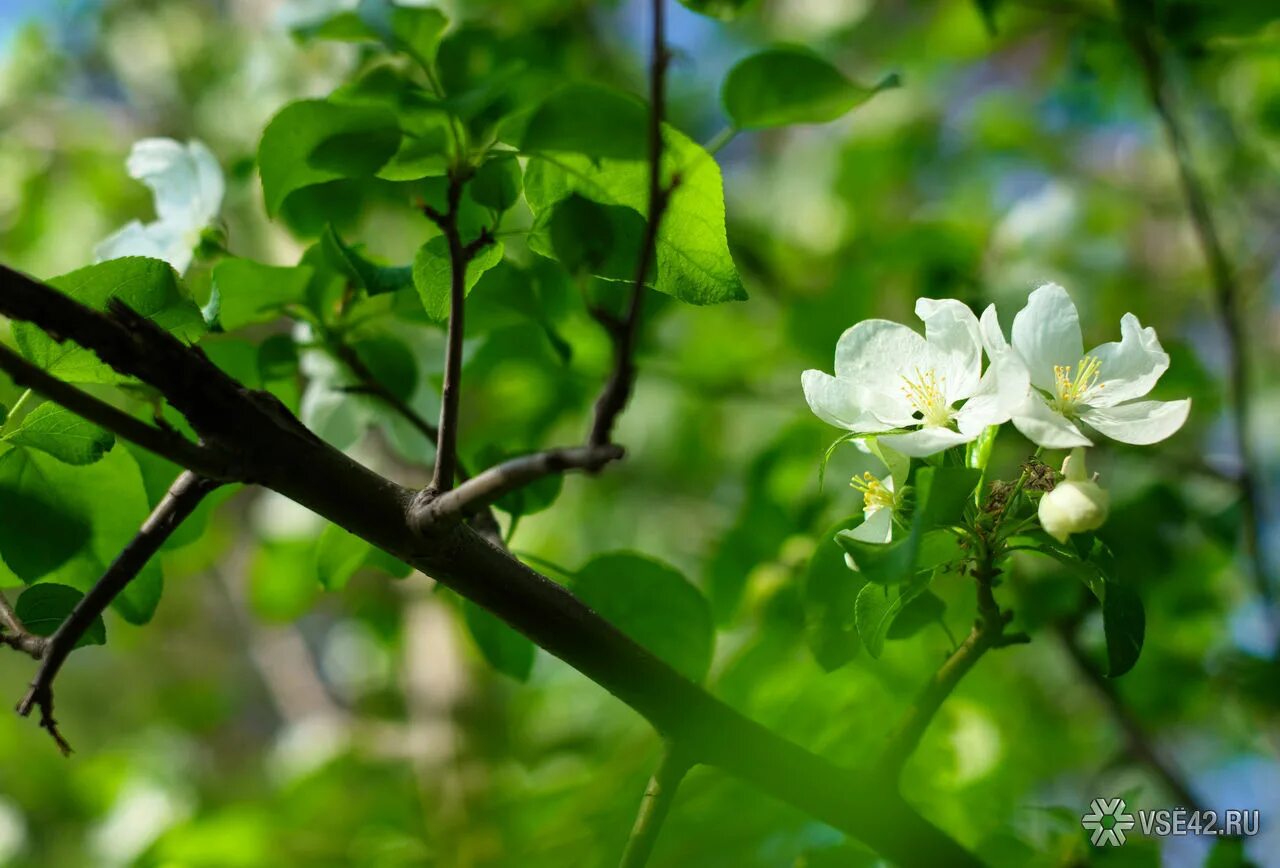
column 654, row 807
column 617, row 390
column 488, row 487
column 168, row 444
column 1226, row 287
column 16, row 635
column 372, row 386
column 460, row 255
column 988, row 632
column 278, row 452
column 182, row 498
column 1137, row 740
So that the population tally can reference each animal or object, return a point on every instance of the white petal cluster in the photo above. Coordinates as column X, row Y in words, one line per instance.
column 1069, row 387
column 919, row 394
column 188, row 187
column 923, row 394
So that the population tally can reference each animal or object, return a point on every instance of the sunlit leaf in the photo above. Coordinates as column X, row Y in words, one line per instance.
column 791, row 86
column 62, row 434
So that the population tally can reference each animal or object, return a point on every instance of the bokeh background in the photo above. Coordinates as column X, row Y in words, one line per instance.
column 261, row 721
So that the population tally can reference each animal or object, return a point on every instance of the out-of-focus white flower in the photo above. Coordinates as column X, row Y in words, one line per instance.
column 187, row 183
column 888, row 378
column 1077, row 504
column 1069, row 386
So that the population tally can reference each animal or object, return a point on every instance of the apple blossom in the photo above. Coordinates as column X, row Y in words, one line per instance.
column 903, row 387
column 1069, row 386
column 187, row 183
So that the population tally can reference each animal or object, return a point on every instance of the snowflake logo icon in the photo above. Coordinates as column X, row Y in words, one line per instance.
column 1108, row 821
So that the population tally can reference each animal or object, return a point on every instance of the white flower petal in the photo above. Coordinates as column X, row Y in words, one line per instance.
column 1130, row 366
column 1140, row 422
column 951, row 332
column 1004, row 390
column 1046, row 427
column 154, row 240
column 876, row 353
column 926, row 441
column 876, row 528
column 841, row 403
column 1046, row 333
column 993, row 339
column 186, row 180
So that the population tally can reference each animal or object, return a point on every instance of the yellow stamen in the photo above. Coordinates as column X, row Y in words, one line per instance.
column 1071, row 391
column 874, row 493
column 926, row 396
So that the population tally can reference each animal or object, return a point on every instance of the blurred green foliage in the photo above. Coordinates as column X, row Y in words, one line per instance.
column 291, row 703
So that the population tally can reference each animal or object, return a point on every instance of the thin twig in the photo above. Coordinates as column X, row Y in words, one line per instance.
column 988, row 632
column 488, row 487
column 182, row 498
column 16, row 635
column 617, row 390
column 654, row 807
column 1138, row 742
column 375, row 388
column 1226, row 289
column 460, row 255
column 168, row 444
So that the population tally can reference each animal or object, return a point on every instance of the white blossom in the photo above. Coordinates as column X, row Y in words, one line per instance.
column 1077, row 504
column 1068, row 386
column 188, row 187
column 892, row 382
column 881, row 496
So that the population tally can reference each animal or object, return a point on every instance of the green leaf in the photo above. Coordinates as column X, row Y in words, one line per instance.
column 432, row 273
column 694, row 263
column 653, row 604
column 917, row 614
column 312, row 142
column 941, row 494
column 876, row 609
column 339, row 554
column 791, row 86
column 4, row 414
column 585, row 236
column 42, row 608
column 246, row 292
column 724, row 10
column 41, row 530
column 373, row 278
column 148, row 286
column 415, row 31
column 62, row 434
column 497, row 182
column 829, row 591
column 589, row 119
column 67, row 524
column 1124, row 624
column 506, row 650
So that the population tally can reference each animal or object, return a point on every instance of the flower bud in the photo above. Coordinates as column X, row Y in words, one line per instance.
column 1076, row 504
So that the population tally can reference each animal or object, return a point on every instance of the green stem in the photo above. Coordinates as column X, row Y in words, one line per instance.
column 14, row 411
column 654, row 807
column 720, row 139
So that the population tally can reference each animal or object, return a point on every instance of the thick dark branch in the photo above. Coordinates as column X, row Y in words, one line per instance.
column 182, row 498
column 279, row 453
column 617, row 390
column 168, row 444
column 1226, row 286
column 1138, row 742
column 654, row 807
column 490, row 486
